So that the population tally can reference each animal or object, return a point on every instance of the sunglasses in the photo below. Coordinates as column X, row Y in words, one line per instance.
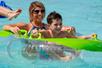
column 37, row 11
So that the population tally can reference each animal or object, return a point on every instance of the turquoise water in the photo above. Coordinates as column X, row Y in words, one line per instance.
column 84, row 15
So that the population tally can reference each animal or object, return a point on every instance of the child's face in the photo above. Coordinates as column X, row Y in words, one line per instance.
column 56, row 25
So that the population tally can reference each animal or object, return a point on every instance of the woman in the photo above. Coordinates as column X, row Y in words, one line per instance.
column 37, row 13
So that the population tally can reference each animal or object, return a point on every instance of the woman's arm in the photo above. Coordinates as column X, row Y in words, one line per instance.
column 13, row 27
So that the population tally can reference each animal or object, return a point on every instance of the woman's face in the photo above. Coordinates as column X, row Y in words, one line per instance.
column 38, row 14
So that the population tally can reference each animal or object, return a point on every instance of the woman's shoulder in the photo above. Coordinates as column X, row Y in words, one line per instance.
column 45, row 25
column 23, row 24
column 20, row 23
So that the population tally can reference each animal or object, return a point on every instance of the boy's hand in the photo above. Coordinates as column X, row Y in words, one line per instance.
column 70, row 29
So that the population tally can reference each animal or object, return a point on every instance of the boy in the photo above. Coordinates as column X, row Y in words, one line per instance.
column 54, row 20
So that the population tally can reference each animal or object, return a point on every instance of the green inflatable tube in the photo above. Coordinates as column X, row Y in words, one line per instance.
column 78, row 44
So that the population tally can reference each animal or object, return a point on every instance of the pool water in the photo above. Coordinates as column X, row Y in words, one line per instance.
column 84, row 15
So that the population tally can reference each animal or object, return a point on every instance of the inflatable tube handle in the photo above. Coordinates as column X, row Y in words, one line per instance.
column 39, row 36
column 23, row 33
column 94, row 36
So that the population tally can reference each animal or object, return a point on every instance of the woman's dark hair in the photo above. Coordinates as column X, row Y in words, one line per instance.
column 53, row 15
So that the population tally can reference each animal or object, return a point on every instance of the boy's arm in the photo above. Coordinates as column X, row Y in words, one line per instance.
column 69, row 35
column 85, row 37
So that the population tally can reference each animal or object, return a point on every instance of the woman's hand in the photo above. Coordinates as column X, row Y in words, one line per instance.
column 14, row 29
column 35, row 33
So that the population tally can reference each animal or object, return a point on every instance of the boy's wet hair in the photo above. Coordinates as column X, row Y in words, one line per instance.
column 53, row 15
